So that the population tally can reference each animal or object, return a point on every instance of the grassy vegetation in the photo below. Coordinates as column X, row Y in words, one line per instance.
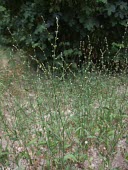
column 47, row 123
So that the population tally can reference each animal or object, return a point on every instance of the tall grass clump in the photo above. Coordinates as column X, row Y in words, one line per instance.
column 65, row 115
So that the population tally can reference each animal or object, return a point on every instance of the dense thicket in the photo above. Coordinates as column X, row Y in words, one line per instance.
column 89, row 30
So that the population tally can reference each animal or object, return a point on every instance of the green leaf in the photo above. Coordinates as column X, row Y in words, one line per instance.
column 67, row 146
column 4, row 154
column 111, row 9
column 40, row 29
column 126, row 156
column 32, row 142
column 102, row 1
column 111, row 134
column 70, row 157
column 91, row 23
column 121, row 16
column 2, row 9
column 68, row 52
column 118, row 45
column 74, row 65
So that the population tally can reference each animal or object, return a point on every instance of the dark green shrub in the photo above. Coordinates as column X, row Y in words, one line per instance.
column 100, row 24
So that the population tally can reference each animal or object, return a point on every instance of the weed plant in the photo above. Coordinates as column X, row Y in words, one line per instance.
column 57, row 122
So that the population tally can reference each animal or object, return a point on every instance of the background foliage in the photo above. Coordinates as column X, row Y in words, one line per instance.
column 87, row 30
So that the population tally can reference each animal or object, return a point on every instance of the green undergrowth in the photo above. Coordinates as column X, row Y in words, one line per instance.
column 51, row 123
